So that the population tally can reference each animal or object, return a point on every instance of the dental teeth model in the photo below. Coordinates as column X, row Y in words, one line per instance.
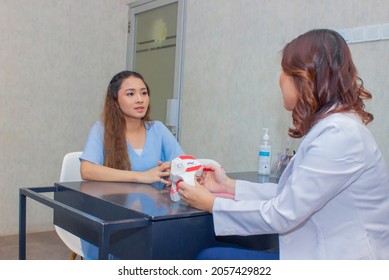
column 183, row 168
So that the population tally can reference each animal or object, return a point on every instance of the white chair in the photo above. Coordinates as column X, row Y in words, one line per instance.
column 70, row 172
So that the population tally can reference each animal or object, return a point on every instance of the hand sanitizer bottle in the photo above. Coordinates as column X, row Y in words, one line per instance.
column 264, row 155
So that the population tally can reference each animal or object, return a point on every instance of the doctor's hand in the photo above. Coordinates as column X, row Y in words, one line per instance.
column 215, row 180
column 197, row 197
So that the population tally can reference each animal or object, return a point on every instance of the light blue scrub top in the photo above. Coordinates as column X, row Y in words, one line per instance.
column 160, row 146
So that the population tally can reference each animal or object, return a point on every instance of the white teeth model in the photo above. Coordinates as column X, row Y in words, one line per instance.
column 183, row 168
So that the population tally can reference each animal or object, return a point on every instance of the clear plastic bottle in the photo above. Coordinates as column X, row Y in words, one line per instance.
column 264, row 155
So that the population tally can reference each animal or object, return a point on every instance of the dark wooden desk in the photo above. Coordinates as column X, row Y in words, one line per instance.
column 132, row 221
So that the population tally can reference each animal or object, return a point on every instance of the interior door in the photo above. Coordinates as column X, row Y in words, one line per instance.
column 155, row 51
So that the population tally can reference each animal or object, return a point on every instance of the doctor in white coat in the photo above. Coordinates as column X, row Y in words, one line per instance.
column 332, row 201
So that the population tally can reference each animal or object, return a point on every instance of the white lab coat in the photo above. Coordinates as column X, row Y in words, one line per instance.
column 332, row 201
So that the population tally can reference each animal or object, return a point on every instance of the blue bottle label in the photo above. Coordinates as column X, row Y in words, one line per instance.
column 264, row 154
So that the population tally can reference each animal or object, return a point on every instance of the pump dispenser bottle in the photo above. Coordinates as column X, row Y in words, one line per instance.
column 264, row 154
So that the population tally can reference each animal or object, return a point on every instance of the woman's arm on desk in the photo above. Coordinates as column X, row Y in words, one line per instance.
column 92, row 171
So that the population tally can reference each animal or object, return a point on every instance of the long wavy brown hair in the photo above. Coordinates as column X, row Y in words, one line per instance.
column 115, row 144
column 326, row 79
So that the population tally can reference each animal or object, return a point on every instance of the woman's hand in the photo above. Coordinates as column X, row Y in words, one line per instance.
column 160, row 173
column 196, row 196
column 215, row 180
column 92, row 171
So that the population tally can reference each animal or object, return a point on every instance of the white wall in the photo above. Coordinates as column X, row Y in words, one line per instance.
column 58, row 56
column 232, row 65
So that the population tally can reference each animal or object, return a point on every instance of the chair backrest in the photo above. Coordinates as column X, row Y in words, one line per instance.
column 70, row 171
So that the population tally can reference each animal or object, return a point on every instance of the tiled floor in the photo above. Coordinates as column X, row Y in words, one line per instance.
column 40, row 246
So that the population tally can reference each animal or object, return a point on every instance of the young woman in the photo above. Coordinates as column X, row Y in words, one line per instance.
column 331, row 202
column 126, row 146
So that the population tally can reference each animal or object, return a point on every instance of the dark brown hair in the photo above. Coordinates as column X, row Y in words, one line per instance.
column 115, row 144
column 326, row 79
